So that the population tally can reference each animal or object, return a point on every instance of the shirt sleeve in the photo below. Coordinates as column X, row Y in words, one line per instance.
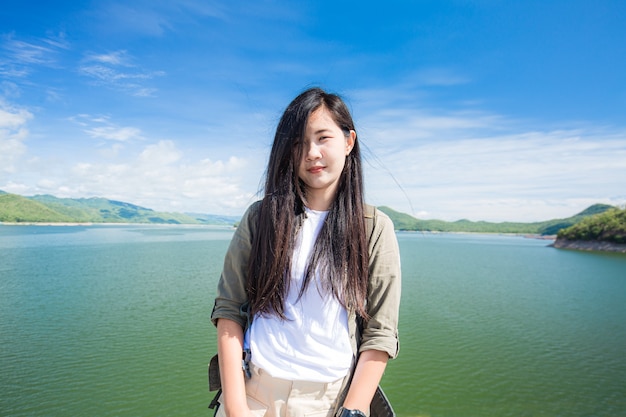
column 231, row 288
column 380, row 332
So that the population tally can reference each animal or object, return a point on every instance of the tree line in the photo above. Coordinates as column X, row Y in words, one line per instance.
column 609, row 226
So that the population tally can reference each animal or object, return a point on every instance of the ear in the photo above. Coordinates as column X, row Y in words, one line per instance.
column 350, row 140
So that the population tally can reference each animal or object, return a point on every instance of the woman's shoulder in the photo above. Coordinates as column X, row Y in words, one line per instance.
column 254, row 207
column 376, row 220
column 372, row 212
column 248, row 220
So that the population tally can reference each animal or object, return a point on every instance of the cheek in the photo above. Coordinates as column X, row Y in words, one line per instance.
column 344, row 163
column 301, row 169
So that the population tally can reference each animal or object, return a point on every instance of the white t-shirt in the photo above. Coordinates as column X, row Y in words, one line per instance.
column 313, row 344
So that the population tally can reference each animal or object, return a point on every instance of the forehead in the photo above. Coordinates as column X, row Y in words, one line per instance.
column 321, row 119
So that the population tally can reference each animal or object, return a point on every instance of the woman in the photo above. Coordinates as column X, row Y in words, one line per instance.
column 304, row 262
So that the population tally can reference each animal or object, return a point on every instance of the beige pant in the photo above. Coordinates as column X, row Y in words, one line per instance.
column 275, row 397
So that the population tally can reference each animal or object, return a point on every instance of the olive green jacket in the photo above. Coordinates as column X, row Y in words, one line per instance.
column 380, row 332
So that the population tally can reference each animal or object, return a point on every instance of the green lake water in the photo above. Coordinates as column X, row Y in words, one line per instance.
column 114, row 321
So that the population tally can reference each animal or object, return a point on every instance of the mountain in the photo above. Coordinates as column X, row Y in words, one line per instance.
column 50, row 209
column 608, row 226
column 403, row 221
column 18, row 209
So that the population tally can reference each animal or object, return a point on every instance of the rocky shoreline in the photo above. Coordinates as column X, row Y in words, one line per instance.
column 589, row 245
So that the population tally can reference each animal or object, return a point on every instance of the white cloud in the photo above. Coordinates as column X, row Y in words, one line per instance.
column 518, row 177
column 154, row 173
column 101, row 127
column 121, row 134
column 13, row 132
column 112, row 151
column 9, row 89
column 158, row 155
column 12, row 118
column 480, row 165
column 447, row 164
column 111, row 58
column 160, row 176
column 16, row 188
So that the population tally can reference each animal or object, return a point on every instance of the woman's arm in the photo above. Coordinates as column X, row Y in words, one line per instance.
column 230, row 349
column 379, row 340
column 369, row 370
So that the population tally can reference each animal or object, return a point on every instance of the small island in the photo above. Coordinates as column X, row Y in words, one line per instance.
column 601, row 232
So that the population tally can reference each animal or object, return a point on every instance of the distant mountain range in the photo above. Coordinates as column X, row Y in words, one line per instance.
column 49, row 209
column 404, row 221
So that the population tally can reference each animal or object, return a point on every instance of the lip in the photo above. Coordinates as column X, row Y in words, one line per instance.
column 315, row 169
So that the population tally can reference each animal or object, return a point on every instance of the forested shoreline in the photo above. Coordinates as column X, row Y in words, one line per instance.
column 602, row 232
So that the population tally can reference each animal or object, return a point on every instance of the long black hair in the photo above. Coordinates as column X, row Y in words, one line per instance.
column 340, row 254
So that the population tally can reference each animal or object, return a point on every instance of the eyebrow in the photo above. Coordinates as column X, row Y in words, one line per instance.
column 321, row 131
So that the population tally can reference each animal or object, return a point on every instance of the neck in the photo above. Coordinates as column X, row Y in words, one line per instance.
column 319, row 201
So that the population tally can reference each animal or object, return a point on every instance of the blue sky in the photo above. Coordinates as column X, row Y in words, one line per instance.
column 485, row 110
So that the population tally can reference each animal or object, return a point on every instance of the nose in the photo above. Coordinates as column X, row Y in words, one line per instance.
column 312, row 151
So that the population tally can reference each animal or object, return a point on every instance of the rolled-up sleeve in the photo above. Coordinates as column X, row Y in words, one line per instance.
column 231, row 288
column 380, row 332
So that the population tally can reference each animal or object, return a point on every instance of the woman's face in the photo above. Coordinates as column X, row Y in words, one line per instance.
column 324, row 154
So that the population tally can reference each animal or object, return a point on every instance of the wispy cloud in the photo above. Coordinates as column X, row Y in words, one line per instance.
column 116, row 70
column 121, row 134
column 112, row 58
column 101, row 127
column 20, row 57
column 155, row 18
column 29, row 53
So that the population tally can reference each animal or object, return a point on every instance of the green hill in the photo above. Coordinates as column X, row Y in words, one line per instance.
column 17, row 209
column 102, row 210
column 404, row 221
column 50, row 209
column 607, row 226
